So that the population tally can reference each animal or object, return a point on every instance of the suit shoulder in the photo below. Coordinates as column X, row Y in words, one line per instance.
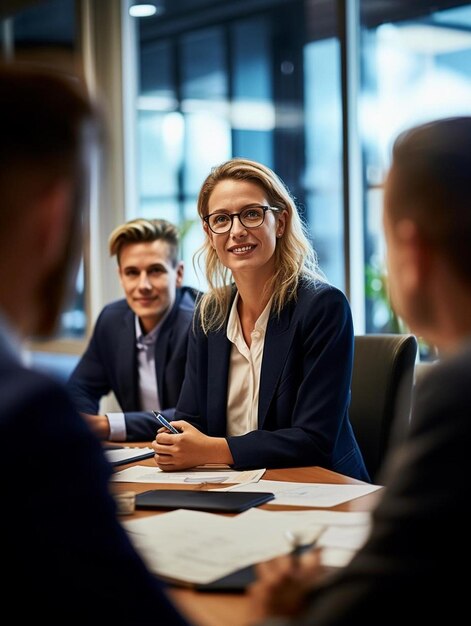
column 321, row 294
column 188, row 298
column 114, row 313
column 29, row 392
column 118, row 307
column 320, row 305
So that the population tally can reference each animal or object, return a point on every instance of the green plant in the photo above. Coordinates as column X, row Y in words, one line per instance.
column 376, row 290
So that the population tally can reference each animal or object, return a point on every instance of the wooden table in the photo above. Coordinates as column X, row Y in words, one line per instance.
column 232, row 609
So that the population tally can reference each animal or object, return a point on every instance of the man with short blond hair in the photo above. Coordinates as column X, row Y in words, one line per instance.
column 138, row 347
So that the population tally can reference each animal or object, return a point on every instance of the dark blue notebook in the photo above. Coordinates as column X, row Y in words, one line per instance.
column 220, row 501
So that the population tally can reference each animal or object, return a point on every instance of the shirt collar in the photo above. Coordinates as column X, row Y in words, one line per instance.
column 233, row 323
column 145, row 341
column 262, row 322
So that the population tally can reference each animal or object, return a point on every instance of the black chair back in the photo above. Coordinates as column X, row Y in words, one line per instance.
column 382, row 379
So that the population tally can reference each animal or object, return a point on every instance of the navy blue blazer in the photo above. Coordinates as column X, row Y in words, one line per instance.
column 304, row 387
column 67, row 560
column 110, row 364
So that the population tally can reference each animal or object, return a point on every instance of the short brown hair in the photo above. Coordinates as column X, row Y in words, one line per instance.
column 143, row 230
column 45, row 117
column 48, row 129
column 430, row 176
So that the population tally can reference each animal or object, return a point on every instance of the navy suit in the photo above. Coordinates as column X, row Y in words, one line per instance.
column 410, row 569
column 304, row 387
column 110, row 364
column 65, row 557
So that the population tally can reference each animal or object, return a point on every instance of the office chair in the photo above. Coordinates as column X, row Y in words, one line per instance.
column 382, row 379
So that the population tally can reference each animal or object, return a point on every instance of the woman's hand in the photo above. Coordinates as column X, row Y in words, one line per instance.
column 189, row 448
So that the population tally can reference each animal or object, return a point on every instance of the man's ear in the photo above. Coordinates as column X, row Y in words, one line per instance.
column 53, row 212
column 414, row 259
column 180, row 273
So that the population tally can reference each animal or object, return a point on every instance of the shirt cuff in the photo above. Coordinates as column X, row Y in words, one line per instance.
column 117, row 426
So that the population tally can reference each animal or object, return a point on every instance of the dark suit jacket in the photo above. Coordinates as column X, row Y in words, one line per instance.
column 304, row 387
column 110, row 364
column 408, row 570
column 65, row 558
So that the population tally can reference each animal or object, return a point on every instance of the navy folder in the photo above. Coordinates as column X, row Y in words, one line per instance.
column 221, row 501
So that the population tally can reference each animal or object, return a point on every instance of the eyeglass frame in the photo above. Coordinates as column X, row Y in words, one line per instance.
column 265, row 208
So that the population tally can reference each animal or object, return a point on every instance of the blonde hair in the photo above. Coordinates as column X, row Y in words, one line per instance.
column 142, row 230
column 294, row 255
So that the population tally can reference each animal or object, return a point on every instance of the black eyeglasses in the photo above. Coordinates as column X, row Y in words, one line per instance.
column 251, row 216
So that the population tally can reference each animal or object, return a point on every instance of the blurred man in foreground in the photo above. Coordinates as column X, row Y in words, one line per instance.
column 408, row 569
column 65, row 558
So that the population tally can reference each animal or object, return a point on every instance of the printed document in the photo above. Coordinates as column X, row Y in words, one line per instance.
column 197, row 548
column 309, row 494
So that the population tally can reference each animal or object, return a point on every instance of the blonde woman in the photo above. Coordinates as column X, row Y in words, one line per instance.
column 267, row 381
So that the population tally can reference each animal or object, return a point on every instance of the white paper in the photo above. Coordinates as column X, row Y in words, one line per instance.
column 126, row 454
column 336, row 557
column 346, row 537
column 198, row 547
column 325, row 518
column 309, row 494
column 346, row 530
column 145, row 474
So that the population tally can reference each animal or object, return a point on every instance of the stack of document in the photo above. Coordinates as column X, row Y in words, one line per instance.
column 218, row 545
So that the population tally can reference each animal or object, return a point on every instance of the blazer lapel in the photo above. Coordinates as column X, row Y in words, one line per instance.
column 161, row 349
column 219, row 348
column 126, row 363
column 277, row 342
column 160, row 356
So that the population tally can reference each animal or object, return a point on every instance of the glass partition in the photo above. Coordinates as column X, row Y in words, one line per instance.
column 415, row 67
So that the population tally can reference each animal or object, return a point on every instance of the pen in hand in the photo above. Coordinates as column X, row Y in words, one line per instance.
column 163, row 422
column 295, row 543
column 298, row 546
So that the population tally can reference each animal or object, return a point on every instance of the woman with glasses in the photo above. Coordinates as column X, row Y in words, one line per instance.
column 267, row 381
